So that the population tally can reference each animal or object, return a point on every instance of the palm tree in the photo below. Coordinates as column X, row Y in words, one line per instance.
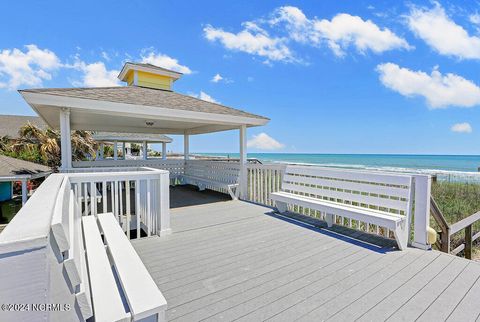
column 43, row 146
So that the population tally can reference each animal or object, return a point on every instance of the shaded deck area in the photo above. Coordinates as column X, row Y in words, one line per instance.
column 231, row 260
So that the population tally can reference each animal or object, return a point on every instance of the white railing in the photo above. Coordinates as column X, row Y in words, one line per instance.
column 174, row 166
column 264, row 179
column 138, row 199
column 42, row 254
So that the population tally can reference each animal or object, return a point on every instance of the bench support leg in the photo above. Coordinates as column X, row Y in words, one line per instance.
column 233, row 195
column 281, row 206
column 401, row 236
column 329, row 218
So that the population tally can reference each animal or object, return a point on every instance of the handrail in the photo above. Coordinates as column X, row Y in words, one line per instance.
column 448, row 230
column 444, row 243
column 470, row 220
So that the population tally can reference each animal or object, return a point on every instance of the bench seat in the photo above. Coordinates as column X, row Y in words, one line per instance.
column 202, row 183
column 357, row 195
column 106, row 298
column 142, row 294
column 384, row 219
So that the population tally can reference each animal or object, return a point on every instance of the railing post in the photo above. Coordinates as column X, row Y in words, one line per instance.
column 164, row 210
column 243, row 182
column 422, row 211
column 468, row 242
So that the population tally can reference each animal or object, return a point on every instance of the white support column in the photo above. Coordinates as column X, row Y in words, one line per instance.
column 422, row 211
column 115, row 150
column 186, row 147
column 65, row 139
column 164, row 150
column 243, row 162
column 102, row 149
column 145, row 150
column 24, row 191
column 123, row 150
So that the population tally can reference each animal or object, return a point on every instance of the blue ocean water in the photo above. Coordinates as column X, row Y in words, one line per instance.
column 462, row 163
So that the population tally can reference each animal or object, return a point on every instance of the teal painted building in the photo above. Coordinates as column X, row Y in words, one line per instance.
column 5, row 191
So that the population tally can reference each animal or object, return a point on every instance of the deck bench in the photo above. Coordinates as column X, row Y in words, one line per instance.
column 203, row 183
column 212, row 174
column 381, row 199
column 106, row 275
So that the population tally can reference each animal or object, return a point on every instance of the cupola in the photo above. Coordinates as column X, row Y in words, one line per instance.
column 148, row 75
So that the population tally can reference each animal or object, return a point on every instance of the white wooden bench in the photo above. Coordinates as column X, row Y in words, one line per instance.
column 381, row 199
column 212, row 174
column 107, row 276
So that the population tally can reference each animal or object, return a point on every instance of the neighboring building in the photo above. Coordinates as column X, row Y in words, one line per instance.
column 12, row 170
column 11, row 124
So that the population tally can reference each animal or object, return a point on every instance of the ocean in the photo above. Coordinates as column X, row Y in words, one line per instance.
column 439, row 164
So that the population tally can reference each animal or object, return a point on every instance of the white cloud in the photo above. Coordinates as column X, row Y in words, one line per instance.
column 252, row 40
column 204, row 96
column 150, row 57
column 439, row 90
column 95, row 75
column 474, row 18
column 462, row 128
column 342, row 31
column 29, row 67
column 216, row 78
column 442, row 33
column 105, row 55
column 263, row 141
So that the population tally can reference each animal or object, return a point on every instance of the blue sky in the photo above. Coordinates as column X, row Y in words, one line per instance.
column 333, row 76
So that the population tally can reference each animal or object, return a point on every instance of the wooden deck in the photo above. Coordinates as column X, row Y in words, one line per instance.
column 232, row 260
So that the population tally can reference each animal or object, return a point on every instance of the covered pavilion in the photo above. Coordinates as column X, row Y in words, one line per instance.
column 146, row 105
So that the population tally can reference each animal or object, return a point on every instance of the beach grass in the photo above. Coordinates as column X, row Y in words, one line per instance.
column 457, row 200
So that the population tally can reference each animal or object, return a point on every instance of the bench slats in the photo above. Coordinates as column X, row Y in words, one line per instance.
column 392, row 191
column 143, row 296
column 370, row 176
column 357, row 213
column 365, row 199
column 332, row 191
column 107, row 303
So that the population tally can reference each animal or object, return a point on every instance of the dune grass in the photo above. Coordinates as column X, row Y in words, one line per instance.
column 457, row 200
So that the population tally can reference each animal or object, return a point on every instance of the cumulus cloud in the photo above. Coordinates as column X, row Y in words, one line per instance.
column 95, row 75
column 204, row 96
column 441, row 33
column 440, row 90
column 462, row 128
column 252, row 40
column 29, row 67
column 149, row 56
column 216, row 78
column 339, row 33
column 263, row 141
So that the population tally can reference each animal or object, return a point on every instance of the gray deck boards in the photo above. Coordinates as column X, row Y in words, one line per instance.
column 232, row 260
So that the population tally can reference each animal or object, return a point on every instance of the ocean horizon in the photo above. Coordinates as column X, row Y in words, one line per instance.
column 393, row 162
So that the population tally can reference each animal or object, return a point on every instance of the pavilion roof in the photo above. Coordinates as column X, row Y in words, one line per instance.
column 145, row 96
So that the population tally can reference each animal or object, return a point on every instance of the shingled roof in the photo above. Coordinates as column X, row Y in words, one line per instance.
column 11, row 124
column 136, row 95
column 10, row 167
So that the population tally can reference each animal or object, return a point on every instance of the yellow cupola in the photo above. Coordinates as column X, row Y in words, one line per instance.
column 148, row 75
